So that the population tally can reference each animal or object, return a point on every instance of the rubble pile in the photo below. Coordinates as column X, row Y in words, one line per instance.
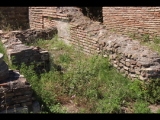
column 31, row 35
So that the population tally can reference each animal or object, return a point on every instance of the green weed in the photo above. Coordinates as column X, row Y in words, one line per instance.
column 156, row 40
column 145, row 38
column 141, row 107
column 90, row 81
column 158, row 111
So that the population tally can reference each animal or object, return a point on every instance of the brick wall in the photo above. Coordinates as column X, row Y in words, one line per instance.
column 82, row 39
column 125, row 20
column 140, row 20
column 35, row 17
column 43, row 17
column 14, row 17
column 18, row 53
column 94, row 36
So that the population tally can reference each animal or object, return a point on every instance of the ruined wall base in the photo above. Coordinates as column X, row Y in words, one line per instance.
column 19, row 53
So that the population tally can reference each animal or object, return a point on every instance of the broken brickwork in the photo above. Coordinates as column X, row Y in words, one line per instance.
column 133, row 20
column 131, row 58
column 16, row 93
column 19, row 53
column 128, row 56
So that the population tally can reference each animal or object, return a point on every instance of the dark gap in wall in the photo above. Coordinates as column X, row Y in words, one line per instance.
column 94, row 13
column 14, row 18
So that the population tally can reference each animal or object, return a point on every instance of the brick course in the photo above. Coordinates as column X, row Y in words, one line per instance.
column 140, row 20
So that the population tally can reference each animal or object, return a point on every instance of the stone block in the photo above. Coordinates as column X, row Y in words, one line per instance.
column 127, row 64
column 137, row 71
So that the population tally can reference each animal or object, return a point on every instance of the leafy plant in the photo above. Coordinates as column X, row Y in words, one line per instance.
column 65, row 58
column 145, row 38
column 153, row 90
column 141, row 107
column 89, row 81
column 156, row 40
column 132, row 35
column 158, row 111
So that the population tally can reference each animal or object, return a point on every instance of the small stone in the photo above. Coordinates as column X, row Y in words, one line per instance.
column 115, row 65
column 122, row 70
column 120, row 64
column 4, row 41
column 129, row 56
column 133, row 75
column 132, row 70
column 128, row 64
column 1, row 31
column 142, row 78
column 133, row 62
column 137, row 71
column 105, row 56
column 139, row 64
column 122, row 61
column 147, row 69
column 125, row 67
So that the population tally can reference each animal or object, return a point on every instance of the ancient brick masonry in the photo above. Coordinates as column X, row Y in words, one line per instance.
column 15, row 92
column 31, row 35
column 131, row 58
column 19, row 53
column 127, row 20
column 84, row 38
column 128, row 56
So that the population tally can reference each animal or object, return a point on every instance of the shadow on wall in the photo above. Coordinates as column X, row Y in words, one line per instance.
column 13, row 18
column 94, row 13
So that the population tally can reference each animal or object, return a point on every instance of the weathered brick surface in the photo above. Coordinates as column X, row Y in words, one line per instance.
column 31, row 35
column 131, row 58
column 19, row 53
column 128, row 56
column 15, row 91
column 14, row 17
column 68, row 30
column 42, row 17
column 35, row 17
column 139, row 20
